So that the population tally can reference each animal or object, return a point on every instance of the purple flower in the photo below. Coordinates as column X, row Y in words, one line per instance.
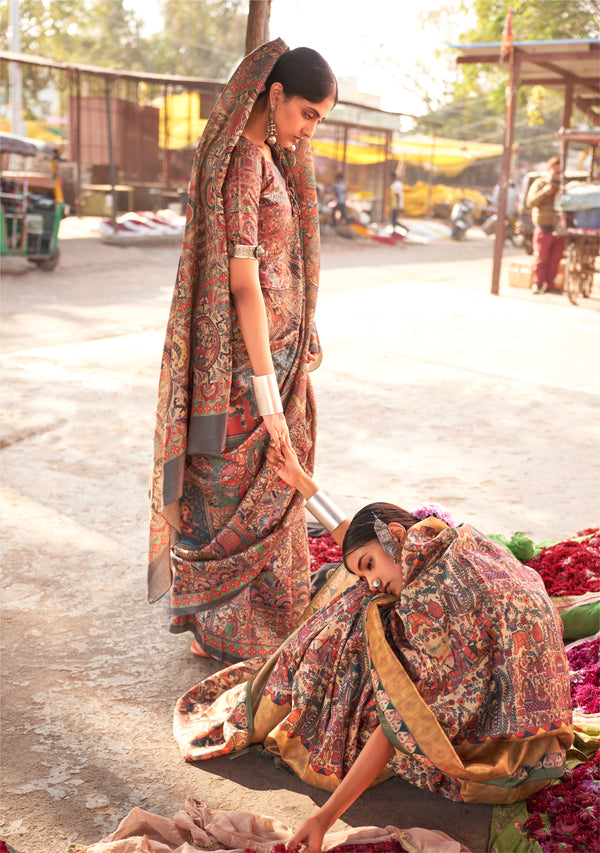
column 427, row 509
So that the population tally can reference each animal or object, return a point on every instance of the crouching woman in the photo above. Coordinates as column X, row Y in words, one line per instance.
column 431, row 654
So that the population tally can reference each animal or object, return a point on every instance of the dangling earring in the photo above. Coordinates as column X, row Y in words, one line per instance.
column 382, row 532
column 271, row 127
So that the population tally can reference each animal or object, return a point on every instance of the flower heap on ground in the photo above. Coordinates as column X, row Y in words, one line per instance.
column 566, row 816
column 571, row 567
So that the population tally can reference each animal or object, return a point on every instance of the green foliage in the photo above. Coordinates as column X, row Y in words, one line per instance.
column 200, row 38
column 203, row 38
column 476, row 108
column 523, row 548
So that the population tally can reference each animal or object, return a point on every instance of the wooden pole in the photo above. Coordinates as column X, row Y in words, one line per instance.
column 509, row 132
column 257, row 28
column 111, row 156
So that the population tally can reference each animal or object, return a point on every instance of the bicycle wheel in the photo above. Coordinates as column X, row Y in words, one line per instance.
column 573, row 272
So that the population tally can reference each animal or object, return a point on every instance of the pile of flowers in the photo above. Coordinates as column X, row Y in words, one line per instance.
column 323, row 550
column 584, row 666
column 565, row 816
column 392, row 845
column 571, row 567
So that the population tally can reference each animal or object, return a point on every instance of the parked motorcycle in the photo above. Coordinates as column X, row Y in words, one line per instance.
column 461, row 218
column 512, row 229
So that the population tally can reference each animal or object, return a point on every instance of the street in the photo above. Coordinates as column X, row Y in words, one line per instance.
column 430, row 389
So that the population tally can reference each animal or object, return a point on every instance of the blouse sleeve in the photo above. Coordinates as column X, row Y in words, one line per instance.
column 241, row 198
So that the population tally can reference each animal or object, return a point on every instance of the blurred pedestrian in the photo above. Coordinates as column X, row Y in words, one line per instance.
column 338, row 188
column 397, row 204
column 548, row 247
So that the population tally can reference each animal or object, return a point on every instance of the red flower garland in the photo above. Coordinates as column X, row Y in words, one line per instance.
column 570, row 568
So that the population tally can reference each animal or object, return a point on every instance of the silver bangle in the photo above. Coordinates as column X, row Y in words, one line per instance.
column 266, row 392
column 325, row 511
column 242, row 251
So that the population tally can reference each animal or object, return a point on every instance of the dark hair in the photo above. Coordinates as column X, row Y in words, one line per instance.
column 362, row 526
column 304, row 73
column 553, row 161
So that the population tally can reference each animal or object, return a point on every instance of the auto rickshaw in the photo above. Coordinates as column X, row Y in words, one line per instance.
column 32, row 202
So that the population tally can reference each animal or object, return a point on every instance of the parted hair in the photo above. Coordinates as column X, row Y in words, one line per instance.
column 362, row 526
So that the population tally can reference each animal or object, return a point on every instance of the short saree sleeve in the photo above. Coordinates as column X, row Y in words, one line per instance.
column 241, row 197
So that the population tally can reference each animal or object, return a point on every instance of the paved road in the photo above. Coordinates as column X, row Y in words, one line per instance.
column 430, row 389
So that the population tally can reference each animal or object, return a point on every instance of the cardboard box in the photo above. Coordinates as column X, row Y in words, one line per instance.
column 520, row 274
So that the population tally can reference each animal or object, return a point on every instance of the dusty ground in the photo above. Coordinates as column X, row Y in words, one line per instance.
column 431, row 389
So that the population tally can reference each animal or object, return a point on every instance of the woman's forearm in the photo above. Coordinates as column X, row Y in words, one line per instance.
column 367, row 767
column 249, row 304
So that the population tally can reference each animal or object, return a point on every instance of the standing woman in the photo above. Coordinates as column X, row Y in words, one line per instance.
column 224, row 536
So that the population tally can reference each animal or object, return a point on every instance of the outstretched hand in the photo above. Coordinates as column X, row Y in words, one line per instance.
column 310, row 834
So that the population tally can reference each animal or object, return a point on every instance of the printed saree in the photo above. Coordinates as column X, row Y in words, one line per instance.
column 240, row 579
column 465, row 671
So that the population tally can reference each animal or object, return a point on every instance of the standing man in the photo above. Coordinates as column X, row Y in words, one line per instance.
column 548, row 248
column 338, row 188
column 397, row 200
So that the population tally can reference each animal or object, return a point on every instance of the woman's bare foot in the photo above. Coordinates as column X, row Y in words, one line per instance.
column 196, row 649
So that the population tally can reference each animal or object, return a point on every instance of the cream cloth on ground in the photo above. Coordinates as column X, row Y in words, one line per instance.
column 196, row 826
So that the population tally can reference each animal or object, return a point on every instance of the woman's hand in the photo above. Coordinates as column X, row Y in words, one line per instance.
column 278, row 430
column 311, row 834
column 285, row 462
column 313, row 360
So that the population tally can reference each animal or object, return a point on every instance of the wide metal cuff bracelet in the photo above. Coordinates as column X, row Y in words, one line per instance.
column 242, row 251
column 325, row 511
column 267, row 396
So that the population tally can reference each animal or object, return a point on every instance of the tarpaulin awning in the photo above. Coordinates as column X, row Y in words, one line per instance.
column 438, row 155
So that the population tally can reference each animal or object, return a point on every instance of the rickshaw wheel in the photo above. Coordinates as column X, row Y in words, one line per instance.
column 573, row 273
column 49, row 263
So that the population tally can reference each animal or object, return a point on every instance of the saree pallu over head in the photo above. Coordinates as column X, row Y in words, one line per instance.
column 195, row 375
column 465, row 671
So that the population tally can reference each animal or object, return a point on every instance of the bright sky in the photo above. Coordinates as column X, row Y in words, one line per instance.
column 376, row 41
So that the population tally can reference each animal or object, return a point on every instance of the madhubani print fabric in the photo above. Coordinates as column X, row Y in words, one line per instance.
column 225, row 536
column 465, row 671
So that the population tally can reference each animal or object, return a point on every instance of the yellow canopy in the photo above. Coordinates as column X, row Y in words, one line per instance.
column 449, row 156
column 446, row 156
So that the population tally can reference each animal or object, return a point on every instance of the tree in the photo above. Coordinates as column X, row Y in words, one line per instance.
column 477, row 105
column 200, row 38
column 94, row 32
